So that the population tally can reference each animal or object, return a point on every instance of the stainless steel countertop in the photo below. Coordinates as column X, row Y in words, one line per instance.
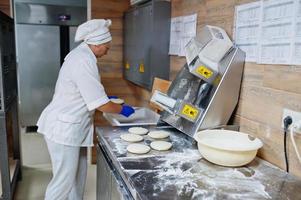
column 181, row 173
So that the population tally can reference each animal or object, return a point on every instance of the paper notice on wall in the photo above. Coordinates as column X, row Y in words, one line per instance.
column 269, row 31
column 175, row 36
column 182, row 30
column 297, row 44
column 251, row 51
column 188, row 31
column 247, row 29
column 277, row 32
column 297, row 54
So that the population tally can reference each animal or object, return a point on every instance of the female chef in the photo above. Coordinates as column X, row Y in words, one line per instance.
column 67, row 122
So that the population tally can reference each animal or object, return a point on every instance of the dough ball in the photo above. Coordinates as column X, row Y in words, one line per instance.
column 138, row 148
column 117, row 101
column 138, row 130
column 158, row 134
column 161, row 145
column 131, row 137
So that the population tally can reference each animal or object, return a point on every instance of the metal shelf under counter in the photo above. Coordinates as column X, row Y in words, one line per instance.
column 181, row 173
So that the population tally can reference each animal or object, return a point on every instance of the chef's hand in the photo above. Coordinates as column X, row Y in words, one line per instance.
column 127, row 110
column 112, row 97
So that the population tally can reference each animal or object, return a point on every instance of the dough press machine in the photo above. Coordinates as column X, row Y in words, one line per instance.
column 205, row 92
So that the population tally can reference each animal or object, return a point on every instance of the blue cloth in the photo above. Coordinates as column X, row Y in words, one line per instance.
column 127, row 110
column 112, row 97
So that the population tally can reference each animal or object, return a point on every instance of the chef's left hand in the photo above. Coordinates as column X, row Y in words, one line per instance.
column 127, row 110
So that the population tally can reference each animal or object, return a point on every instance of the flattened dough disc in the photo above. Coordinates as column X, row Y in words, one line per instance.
column 138, row 148
column 117, row 101
column 131, row 137
column 138, row 130
column 161, row 145
column 158, row 134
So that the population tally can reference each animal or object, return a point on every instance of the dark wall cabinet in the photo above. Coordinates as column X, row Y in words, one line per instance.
column 146, row 43
column 10, row 158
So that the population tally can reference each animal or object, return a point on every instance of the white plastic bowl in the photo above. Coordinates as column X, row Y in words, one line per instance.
column 227, row 148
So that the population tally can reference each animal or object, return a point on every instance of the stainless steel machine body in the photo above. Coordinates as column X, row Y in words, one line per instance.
column 205, row 92
column 216, row 101
column 44, row 35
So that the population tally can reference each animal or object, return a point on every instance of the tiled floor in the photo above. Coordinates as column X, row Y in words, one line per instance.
column 34, row 149
column 35, row 180
column 37, row 170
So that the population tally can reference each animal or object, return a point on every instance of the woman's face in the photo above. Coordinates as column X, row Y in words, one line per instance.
column 101, row 49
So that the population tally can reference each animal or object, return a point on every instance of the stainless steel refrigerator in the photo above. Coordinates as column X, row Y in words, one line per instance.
column 44, row 36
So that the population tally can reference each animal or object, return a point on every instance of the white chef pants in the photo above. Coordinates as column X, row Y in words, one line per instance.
column 69, row 169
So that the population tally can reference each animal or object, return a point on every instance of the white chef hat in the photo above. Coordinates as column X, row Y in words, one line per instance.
column 95, row 32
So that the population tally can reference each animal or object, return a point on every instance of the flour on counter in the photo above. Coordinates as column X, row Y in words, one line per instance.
column 180, row 170
column 120, row 145
column 180, row 157
column 199, row 180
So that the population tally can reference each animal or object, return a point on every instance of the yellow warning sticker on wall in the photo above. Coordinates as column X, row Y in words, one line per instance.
column 190, row 111
column 204, row 71
column 127, row 65
column 141, row 68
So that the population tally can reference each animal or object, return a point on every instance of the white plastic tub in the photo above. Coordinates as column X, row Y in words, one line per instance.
column 227, row 148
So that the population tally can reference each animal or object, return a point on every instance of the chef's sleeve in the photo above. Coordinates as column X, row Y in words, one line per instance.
column 86, row 77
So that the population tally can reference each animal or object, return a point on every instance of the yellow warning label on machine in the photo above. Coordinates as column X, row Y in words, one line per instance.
column 190, row 111
column 127, row 65
column 204, row 71
column 141, row 68
column 217, row 80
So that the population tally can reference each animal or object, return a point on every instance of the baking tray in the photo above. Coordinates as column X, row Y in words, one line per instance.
column 142, row 116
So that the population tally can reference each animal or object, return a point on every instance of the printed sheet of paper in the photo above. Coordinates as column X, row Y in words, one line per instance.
column 175, row 36
column 247, row 29
column 182, row 30
column 277, row 32
column 188, row 31
column 297, row 42
column 269, row 31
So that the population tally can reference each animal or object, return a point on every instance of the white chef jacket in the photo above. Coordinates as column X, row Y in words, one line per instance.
column 68, row 119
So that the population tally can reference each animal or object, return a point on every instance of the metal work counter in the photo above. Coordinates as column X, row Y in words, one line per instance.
column 181, row 173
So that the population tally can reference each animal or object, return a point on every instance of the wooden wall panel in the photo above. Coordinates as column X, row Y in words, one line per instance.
column 266, row 89
column 5, row 6
column 285, row 78
column 253, row 74
column 111, row 65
